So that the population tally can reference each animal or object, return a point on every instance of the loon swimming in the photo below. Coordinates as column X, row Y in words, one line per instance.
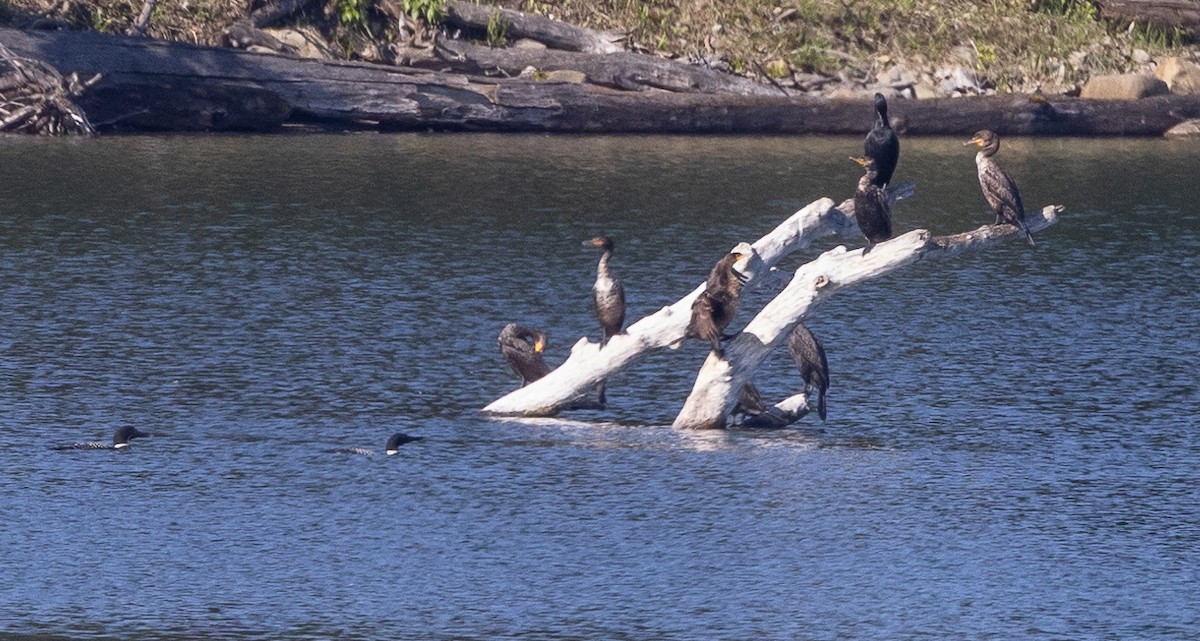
column 392, row 447
column 120, row 440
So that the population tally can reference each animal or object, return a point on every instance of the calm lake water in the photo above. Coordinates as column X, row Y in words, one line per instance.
column 1012, row 450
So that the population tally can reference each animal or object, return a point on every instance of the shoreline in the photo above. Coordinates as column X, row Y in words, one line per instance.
column 160, row 86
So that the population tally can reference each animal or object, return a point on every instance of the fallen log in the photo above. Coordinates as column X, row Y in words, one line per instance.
column 515, row 24
column 351, row 95
column 620, row 70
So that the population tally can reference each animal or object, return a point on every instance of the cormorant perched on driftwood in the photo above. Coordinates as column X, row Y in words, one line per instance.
column 750, row 402
column 806, row 350
column 522, row 348
column 717, row 304
column 882, row 145
column 608, row 292
column 872, row 210
column 999, row 190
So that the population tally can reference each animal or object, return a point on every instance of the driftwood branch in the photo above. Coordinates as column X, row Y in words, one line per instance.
column 35, row 98
column 143, row 20
column 715, row 392
column 552, row 33
column 588, row 364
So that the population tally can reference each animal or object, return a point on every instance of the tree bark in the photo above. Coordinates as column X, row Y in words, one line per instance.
column 552, row 33
column 620, row 70
column 715, row 392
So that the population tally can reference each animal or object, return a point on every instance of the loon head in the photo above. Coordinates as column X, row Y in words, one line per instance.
column 126, row 433
column 398, row 439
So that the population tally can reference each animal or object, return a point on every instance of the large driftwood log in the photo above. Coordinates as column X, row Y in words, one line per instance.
column 621, row 70
column 715, row 392
column 552, row 33
column 1165, row 14
column 588, row 364
column 35, row 98
column 258, row 91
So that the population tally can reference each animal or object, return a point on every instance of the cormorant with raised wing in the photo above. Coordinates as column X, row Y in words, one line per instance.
column 1000, row 191
column 716, row 306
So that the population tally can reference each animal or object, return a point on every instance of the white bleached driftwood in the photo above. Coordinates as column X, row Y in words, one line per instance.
column 588, row 364
column 715, row 392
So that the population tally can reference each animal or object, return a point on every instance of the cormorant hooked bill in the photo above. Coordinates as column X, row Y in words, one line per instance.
column 522, row 348
column 608, row 292
column 716, row 306
column 809, row 356
column 121, row 439
column 882, row 145
column 999, row 190
column 872, row 210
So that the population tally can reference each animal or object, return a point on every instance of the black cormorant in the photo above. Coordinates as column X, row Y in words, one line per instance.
column 393, row 445
column 872, row 210
column 750, row 401
column 999, row 190
column 608, row 292
column 806, row 350
column 120, row 440
column 522, row 348
column 882, row 145
column 716, row 306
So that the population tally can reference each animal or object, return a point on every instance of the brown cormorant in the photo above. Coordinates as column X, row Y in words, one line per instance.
column 872, row 209
column 882, row 145
column 806, row 350
column 999, row 190
column 716, row 306
column 750, row 401
column 522, row 348
column 608, row 293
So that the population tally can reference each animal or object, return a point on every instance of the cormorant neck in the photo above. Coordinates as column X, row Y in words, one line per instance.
column 602, row 266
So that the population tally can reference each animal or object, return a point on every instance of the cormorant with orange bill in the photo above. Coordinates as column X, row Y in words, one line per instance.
column 872, row 209
column 522, row 348
column 1000, row 191
column 608, row 292
column 716, row 306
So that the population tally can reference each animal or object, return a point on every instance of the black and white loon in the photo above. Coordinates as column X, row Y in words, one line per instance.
column 392, row 447
column 120, row 440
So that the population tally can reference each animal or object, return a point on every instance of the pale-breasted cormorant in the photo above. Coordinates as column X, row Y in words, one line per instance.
column 393, row 445
column 522, row 348
column 882, row 145
column 716, row 306
column 999, row 190
column 806, row 350
column 608, row 293
column 121, row 439
column 872, row 209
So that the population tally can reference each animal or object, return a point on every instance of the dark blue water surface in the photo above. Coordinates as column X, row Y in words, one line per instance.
column 1012, row 450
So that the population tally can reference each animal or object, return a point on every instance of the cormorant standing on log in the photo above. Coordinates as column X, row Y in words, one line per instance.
column 806, row 350
column 882, row 145
column 872, row 211
column 522, row 348
column 608, row 292
column 716, row 306
column 750, row 401
column 999, row 190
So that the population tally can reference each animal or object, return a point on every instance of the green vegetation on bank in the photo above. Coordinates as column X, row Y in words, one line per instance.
column 1013, row 45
